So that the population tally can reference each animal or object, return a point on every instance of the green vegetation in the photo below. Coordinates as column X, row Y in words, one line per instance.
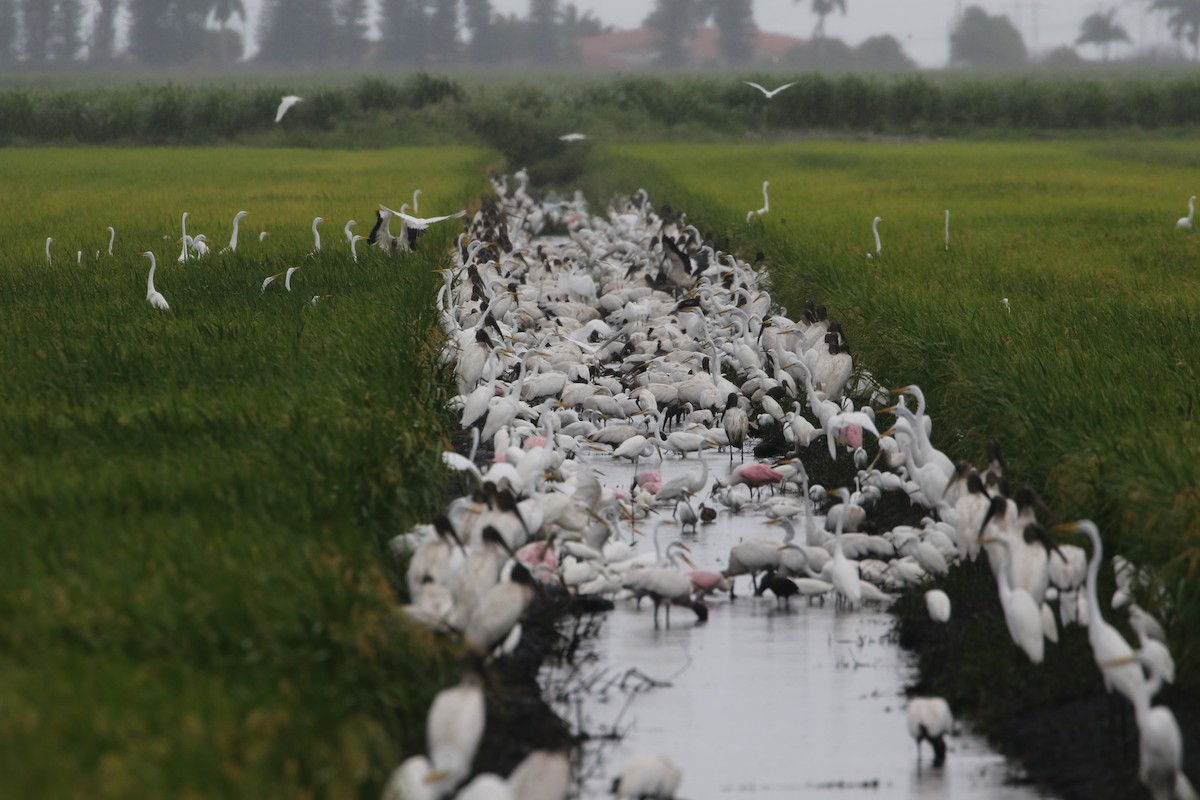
column 524, row 118
column 195, row 502
column 1089, row 383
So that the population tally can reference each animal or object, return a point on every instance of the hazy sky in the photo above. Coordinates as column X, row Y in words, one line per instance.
column 922, row 26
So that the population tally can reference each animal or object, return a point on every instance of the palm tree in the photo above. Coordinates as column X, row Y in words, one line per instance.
column 1183, row 20
column 1100, row 29
column 823, row 8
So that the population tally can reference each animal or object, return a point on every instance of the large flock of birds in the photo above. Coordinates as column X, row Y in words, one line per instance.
column 628, row 337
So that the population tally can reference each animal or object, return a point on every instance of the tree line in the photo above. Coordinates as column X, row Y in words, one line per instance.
column 443, row 33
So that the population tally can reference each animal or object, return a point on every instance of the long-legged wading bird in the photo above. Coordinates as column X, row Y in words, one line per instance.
column 233, row 237
column 769, row 93
column 153, row 295
column 285, row 103
column 766, row 206
column 1186, row 222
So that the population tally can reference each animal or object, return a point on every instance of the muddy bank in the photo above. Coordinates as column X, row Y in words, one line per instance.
column 1055, row 719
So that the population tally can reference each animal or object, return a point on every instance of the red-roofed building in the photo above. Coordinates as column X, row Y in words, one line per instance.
column 636, row 49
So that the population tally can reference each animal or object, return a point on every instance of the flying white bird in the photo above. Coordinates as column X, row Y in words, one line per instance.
column 573, row 137
column 769, row 93
column 287, row 102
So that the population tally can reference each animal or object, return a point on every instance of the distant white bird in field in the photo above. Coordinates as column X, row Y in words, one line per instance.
column 317, row 236
column 1186, row 222
column 346, row 229
column 875, row 230
column 153, row 295
column 766, row 204
column 1004, row 302
column 769, row 93
column 49, row 239
column 112, row 237
column 354, row 240
column 233, row 237
column 286, row 103
column 947, row 229
column 573, row 137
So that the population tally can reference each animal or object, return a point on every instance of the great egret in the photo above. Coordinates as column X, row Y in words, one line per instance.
column 354, row 240
column 49, row 240
column 947, row 229
column 316, row 236
column 844, row 574
column 1186, row 222
column 267, row 281
column 875, row 230
column 112, row 237
column 1112, row 653
column 541, row 775
column 647, row 776
column 286, row 103
column 572, row 137
column 153, row 295
column 346, row 229
column 183, row 239
column 287, row 280
column 233, row 238
column 766, row 204
column 407, row 781
column 769, row 93
column 929, row 719
column 1021, row 613
column 499, row 610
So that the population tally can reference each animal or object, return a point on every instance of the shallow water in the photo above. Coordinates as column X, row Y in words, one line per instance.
column 806, row 701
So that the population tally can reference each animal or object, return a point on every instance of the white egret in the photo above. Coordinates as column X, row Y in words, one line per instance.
column 285, row 103
column 1021, row 613
column 1186, row 222
column 647, row 777
column 499, row 610
column 541, row 775
column 183, row 239
column 929, row 719
column 112, row 237
column 153, row 295
column 1112, row 653
column 937, row 603
column 486, row 786
column 316, row 236
column 947, row 229
column 267, row 281
column 844, row 573
column 287, row 280
column 233, row 237
column 346, row 229
column 407, row 781
column 765, row 207
column 354, row 240
column 875, row 231
column 769, row 93
column 49, row 240
column 572, row 137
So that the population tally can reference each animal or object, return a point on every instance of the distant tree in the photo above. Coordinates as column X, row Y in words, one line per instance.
column 443, row 30
column 66, row 30
column 296, row 31
column 980, row 40
column 166, row 31
column 674, row 23
column 823, row 8
column 1062, row 56
column 1101, row 30
column 1183, row 20
column 882, row 52
column 8, row 31
column 349, row 29
column 826, row 53
column 479, row 21
column 735, row 23
column 575, row 25
column 102, row 45
column 222, row 12
column 35, row 17
column 545, row 46
column 404, row 29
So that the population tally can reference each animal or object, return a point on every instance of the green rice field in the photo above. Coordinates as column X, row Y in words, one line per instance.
column 194, row 502
column 1089, row 379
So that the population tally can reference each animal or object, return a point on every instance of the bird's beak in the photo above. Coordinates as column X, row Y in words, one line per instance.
column 888, row 432
column 986, row 539
column 687, row 560
column 1062, row 527
column 888, row 410
column 901, row 390
column 1118, row 662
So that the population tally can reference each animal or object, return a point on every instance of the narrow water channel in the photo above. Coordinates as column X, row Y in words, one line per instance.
column 805, row 701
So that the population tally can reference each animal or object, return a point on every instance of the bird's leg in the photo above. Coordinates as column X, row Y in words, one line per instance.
column 656, row 613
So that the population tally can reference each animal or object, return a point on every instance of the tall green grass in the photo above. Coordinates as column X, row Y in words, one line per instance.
column 1089, row 383
column 196, row 596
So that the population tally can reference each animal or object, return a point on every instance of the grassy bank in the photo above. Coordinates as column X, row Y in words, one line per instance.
column 194, row 502
column 1088, row 382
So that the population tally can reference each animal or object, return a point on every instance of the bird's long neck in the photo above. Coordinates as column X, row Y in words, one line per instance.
column 1093, row 575
column 766, row 201
column 234, row 237
column 150, row 278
